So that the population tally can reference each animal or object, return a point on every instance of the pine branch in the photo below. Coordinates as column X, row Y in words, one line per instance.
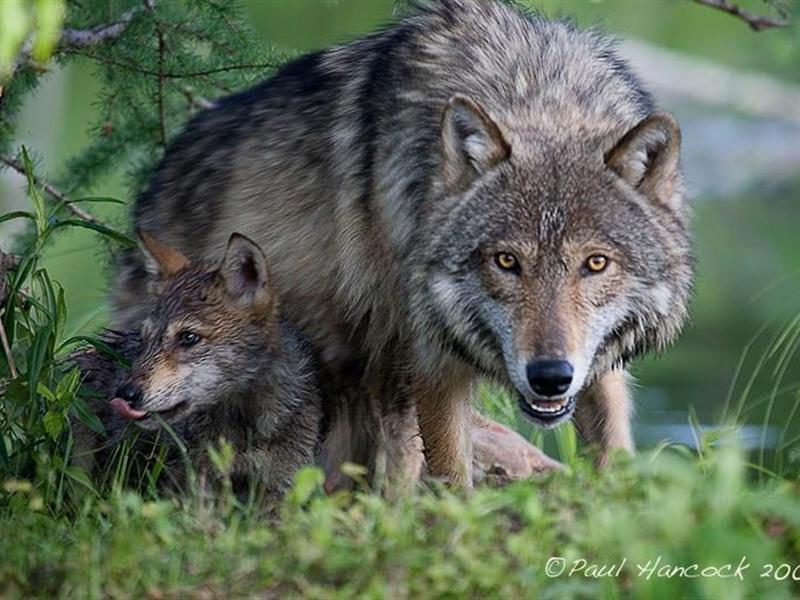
column 175, row 75
column 86, row 38
column 161, row 62
column 756, row 22
column 75, row 39
column 54, row 192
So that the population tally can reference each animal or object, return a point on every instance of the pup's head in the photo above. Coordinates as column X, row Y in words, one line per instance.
column 210, row 325
column 555, row 256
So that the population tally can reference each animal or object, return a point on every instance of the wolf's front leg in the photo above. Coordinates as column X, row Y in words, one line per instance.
column 445, row 419
column 603, row 415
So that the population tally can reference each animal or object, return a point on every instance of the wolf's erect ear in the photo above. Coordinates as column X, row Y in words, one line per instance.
column 160, row 261
column 244, row 271
column 647, row 159
column 471, row 142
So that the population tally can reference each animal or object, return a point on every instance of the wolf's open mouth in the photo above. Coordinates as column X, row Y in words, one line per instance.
column 547, row 411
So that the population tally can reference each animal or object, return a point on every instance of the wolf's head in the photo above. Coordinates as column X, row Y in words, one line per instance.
column 209, row 328
column 555, row 257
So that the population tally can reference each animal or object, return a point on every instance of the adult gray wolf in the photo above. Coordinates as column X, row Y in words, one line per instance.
column 213, row 360
column 470, row 192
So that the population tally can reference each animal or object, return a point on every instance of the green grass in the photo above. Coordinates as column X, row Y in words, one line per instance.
column 434, row 543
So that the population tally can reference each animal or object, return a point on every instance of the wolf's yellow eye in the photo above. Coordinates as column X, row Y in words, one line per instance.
column 596, row 263
column 506, row 261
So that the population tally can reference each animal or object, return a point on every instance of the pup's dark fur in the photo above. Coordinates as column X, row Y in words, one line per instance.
column 213, row 360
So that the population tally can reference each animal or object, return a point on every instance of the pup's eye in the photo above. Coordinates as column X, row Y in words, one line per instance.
column 506, row 261
column 188, row 339
column 596, row 263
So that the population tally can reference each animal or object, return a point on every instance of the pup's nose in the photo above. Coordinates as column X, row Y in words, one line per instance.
column 549, row 377
column 130, row 393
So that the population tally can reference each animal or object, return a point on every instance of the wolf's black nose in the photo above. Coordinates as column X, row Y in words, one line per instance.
column 129, row 392
column 549, row 377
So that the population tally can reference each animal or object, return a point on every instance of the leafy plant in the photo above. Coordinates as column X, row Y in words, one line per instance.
column 40, row 391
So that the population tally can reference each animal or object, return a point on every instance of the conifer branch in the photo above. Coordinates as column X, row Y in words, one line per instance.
column 172, row 74
column 86, row 38
column 76, row 39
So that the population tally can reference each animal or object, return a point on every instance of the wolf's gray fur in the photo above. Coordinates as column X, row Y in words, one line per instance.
column 389, row 179
column 247, row 376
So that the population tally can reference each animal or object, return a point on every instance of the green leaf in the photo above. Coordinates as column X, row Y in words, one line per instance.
column 17, row 214
column 85, row 415
column 45, row 392
column 36, row 358
column 221, row 456
column 16, row 391
column 99, row 199
column 4, row 454
column 61, row 312
column 88, row 199
column 15, row 22
column 48, row 289
column 102, row 229
column 99, row 345
column 306, row 481
column 53, row 423
column 34, row 194
column 567, row 442
column 49, row 17
column 26, row 265
column 80, row 477
column 67, row 386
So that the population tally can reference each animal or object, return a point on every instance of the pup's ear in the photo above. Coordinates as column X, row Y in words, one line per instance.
column 647, row 159
column 471, row 142
column 244, row 271
column 160, row 261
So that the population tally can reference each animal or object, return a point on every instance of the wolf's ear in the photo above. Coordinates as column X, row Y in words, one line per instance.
column 160, row 261
column 647, row 159
column 244, row 271
column 471, row 142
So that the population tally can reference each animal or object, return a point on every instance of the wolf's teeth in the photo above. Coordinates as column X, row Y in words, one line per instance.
column 547, row 409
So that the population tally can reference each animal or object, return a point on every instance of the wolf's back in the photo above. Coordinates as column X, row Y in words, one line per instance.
column 330, row 165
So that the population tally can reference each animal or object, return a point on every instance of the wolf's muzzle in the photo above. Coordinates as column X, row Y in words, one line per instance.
column 126, row 399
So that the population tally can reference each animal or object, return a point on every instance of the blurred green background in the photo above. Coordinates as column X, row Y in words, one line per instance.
column 743, row 170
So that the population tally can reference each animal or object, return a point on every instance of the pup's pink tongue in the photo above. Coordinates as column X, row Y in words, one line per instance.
column 125, row 411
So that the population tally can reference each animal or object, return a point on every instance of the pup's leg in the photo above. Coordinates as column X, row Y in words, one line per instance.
column 603, row 415
column 445, row 417
column 501, row 455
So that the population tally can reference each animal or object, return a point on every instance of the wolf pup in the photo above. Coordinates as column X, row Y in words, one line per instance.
column 471, row 192
column 214, row 360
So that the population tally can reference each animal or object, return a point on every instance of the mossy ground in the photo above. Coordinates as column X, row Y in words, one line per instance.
column 669, row 507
